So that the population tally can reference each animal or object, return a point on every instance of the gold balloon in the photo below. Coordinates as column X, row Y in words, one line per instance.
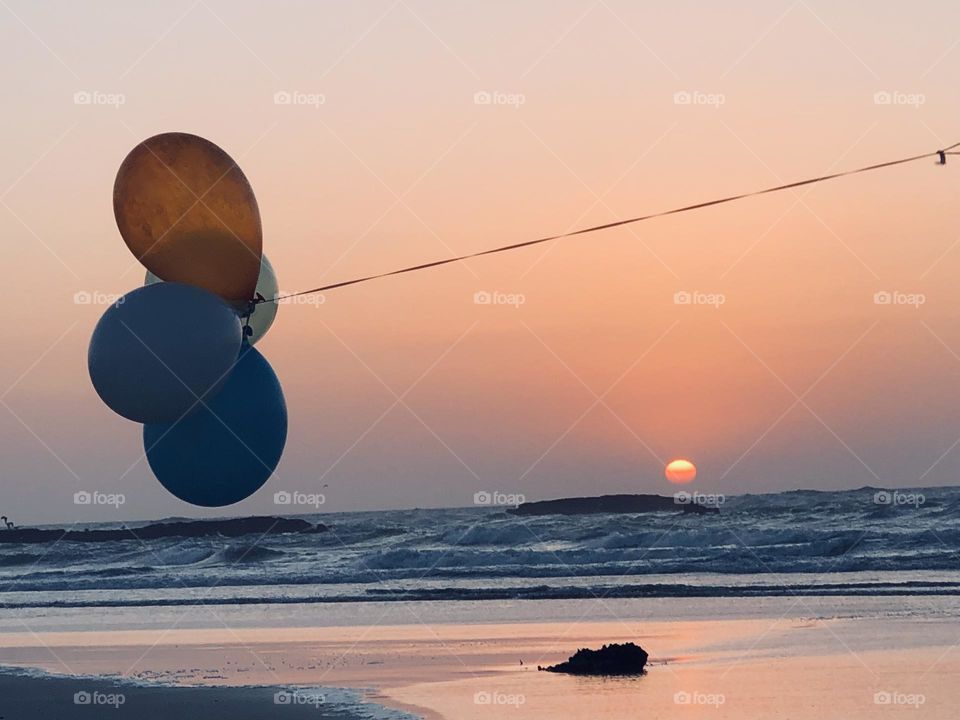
column 188, row 213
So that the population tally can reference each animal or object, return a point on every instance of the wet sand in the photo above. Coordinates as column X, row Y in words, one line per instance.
column 770, row 667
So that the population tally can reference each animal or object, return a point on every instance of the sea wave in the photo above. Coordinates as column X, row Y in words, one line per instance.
column 484, row 550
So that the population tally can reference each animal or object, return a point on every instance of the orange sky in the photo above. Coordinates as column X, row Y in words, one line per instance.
column 398, row 164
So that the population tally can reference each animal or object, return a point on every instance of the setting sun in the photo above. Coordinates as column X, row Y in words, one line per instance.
column 680, row 471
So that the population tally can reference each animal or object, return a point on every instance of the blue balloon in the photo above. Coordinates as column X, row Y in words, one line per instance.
column 161, row 348
column 225, row 451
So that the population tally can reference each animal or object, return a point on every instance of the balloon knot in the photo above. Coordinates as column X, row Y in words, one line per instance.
column 943, row 156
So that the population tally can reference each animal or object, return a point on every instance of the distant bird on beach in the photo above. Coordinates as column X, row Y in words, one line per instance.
column 10, row 525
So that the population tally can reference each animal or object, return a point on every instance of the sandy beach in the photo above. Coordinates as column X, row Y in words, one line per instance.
column 777, row 663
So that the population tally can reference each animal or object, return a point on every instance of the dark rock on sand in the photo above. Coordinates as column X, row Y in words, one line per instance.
column 614, row 659
column 613, row 504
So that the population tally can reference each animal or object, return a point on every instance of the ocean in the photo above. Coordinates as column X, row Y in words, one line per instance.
column 856, row 542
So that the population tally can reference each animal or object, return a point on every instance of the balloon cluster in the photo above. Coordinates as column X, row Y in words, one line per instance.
column 176, row 354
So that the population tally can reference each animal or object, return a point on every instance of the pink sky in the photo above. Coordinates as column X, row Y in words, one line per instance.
column 398, row 164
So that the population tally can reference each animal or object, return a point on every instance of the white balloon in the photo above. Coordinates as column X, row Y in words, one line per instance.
column 264, row 313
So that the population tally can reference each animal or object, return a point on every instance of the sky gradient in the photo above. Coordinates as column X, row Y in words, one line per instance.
column 783, row 372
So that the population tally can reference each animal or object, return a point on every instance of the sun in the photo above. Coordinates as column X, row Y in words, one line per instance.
column 680, row 472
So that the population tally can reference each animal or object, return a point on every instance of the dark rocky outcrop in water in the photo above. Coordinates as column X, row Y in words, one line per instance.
column 614, row 659
column 613, row 504
column 229, row 527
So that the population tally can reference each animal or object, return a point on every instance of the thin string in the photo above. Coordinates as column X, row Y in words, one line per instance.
column 618, row 223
